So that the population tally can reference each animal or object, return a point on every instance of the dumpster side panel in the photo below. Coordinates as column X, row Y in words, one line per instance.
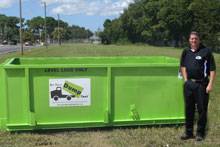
column 2, row 100
column 152, row 94
column 16, row 97
column 61, row 112
column 58, row 93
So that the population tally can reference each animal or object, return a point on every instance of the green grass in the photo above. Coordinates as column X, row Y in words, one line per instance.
column 118, row 136
column 95, row 50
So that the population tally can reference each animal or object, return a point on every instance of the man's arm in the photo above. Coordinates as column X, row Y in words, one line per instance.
column 211, row 81
column 182, row 65
column 183, row 71
column 212, row 67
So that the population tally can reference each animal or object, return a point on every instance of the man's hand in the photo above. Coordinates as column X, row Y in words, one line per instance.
column 209, row 88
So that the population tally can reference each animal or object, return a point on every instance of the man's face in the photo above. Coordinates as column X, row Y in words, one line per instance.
column 194, row 41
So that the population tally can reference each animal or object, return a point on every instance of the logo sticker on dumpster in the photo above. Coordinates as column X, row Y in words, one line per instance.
column 73, row 88
column 69, row 92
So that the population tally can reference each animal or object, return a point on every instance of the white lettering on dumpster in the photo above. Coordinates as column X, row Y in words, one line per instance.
column 69, row 92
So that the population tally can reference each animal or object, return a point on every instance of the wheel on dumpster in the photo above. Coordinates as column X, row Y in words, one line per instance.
column 68, row 98
column 55, row 97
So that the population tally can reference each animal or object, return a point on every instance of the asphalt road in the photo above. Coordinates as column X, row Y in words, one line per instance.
column 4, row 49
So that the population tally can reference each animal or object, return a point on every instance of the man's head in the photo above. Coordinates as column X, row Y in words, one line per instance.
column 194, row 40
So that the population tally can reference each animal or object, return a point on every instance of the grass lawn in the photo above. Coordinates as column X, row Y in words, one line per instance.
column 167, row 136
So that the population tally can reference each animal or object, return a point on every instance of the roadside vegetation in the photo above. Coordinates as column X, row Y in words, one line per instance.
column 165, row 23
column 34, row 30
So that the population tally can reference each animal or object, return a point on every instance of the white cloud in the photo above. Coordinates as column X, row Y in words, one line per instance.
column 9, row 3
column 6, row 3
column 89, row 7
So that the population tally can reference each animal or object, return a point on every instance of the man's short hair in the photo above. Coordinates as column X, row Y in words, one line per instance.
column 194, row 33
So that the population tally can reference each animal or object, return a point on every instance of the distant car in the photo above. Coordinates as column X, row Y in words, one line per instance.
column 28, row 43
column 5, row 42
column 13, row 42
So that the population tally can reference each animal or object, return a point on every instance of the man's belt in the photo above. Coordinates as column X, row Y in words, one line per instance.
column 199, row 80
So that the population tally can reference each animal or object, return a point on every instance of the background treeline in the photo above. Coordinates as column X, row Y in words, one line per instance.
column 34, row 29
column 8, row 27
column 165, row 22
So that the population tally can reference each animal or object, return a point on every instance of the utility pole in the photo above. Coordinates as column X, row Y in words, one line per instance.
column 45, row 23
column 59, row 41
column 21, row 38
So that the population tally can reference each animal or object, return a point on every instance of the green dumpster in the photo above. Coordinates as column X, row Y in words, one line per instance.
column 79, row 92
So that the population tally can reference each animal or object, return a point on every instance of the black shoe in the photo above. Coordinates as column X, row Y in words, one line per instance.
column 186, row 136
column 199, row 138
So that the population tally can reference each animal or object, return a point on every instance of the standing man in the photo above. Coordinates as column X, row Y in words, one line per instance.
column 198, row 70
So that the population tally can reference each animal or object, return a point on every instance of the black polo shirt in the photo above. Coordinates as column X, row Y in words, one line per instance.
column 199, row 63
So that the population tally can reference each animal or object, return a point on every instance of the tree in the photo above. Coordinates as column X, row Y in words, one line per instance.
column 36, row 26
column 8, row 27
column 58, row 33
column 106, row 34
column 28, row 36
column 3, row 20
column 166, row 22
column 51, row 25
column 34, row 29
column 176, row 19
column 13, row 29
column 206, row 20
column 77, row 32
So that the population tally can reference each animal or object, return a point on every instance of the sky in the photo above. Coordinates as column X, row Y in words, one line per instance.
column 90, row 14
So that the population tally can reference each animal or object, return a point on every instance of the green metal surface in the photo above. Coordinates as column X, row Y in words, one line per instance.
column 102, row 91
